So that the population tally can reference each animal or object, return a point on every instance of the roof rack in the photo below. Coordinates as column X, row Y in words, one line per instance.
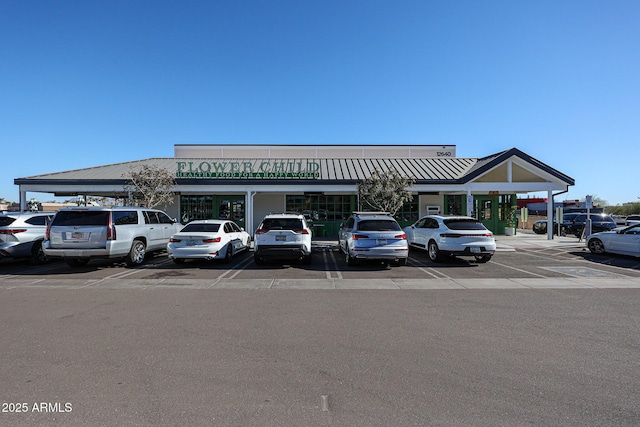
column 285, row 213
column 361, row 213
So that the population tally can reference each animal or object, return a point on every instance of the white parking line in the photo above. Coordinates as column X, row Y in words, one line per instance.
column 237, row 269
column 430, row 271
column 329, row 268
column 519, row 269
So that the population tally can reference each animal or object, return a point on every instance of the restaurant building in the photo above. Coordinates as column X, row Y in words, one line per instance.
column 246, row 182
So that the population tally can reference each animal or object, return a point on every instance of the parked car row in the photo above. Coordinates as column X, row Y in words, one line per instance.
column 574, row 223
column 82, row 233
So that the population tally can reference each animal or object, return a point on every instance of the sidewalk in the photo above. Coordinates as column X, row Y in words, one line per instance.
column 528, row 239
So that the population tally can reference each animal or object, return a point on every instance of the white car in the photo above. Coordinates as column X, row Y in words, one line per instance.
column 284, row 236
column 79, row 234
column 623, row 241
column 446, row 236
column 208, row 239
column 632, row 220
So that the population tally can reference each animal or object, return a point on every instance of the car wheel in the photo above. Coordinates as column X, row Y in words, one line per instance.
column 306, row 260
column 178, row 260
column 351, row 261
column 400, row 262
column 37, row 254
column 433, row 251
column 482, row 258
column 136, row 254
column 228, row 256
column 77, row 262
column 596, row 246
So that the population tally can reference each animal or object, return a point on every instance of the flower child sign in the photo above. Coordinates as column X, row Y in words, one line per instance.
column 275, row 169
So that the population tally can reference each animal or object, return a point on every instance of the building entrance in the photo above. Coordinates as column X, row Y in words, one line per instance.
column 495, row 211
column 231, row 207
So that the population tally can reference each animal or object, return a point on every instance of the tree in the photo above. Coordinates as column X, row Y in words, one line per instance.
column 149, row 186
column 385, row 191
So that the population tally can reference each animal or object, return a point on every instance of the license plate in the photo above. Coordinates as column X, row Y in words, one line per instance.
column 381, row 242
column 475, row 249
column 77, row 235
column 281, row 238
column 191, row 242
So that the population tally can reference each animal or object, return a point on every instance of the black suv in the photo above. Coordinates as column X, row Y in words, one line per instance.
column 540, row 226
column 599, row 222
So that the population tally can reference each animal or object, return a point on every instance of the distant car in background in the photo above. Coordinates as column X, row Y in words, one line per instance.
column 540, row 226
column 632, row 220
column 599, row 222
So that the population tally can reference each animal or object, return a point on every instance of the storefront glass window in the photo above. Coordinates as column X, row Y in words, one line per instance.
column 454, row 204
column 320, row 207
column 195, row 207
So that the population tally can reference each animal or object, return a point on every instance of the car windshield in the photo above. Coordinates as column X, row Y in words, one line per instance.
column 81, row 218
column 378, row 225
column 199, row 228
column 282, row 224
column 464, row 224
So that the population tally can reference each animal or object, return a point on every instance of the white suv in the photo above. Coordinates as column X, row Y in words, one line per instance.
column 22, row 233
column 283, row 236
column 79, row 234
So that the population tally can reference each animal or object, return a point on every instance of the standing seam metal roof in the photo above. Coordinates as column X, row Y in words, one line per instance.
column 422, row 169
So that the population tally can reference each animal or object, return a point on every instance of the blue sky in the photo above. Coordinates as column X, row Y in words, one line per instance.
column 86, row 83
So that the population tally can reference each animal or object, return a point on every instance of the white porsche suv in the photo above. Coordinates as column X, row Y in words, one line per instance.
column 284, row 236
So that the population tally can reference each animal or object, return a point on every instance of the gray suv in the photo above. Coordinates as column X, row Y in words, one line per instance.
column 373, row 236
column 22, row 233
column 79, row 234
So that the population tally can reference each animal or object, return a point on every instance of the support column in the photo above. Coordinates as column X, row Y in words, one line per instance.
column 23, row 200
column 550, row 215
column 248, row 223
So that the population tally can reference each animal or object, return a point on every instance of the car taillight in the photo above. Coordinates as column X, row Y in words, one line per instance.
column 216, row 240
column 111, row 229
column 301, row 231
column 172, row 240
column 451, row 235
column 359, row 236
column 466, row 235
column 47, row 232
column 13, row 231
column 261, row 231
column 401, row 236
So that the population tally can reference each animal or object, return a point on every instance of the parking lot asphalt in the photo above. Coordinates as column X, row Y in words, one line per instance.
column 543, row 334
